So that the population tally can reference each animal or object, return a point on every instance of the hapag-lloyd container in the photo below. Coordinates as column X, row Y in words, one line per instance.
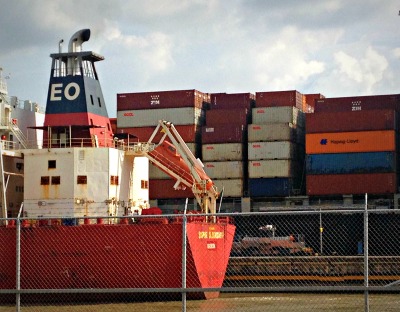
column 164, row 189
column 232, row 100
column 238, row 116
column 162, row 99
column 349, row 163
column 279, row 98
column 150, row 117
column 224, row 169
column 367, row 120
column 358, row 103
column 286, row 114
column 282, row 168
column 221, row 152
column 230, row 187
column 338, row 184
column 351, row 142
column 189, row 133
column 223, row 133
column 275, row 132
column 273, row 150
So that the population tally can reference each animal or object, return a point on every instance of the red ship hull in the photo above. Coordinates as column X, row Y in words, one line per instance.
column 117, row 257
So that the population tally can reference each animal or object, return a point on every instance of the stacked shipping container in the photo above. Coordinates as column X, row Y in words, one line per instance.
column 276, row 144
column 224, row 141
column 138, row 114
column 351, row 146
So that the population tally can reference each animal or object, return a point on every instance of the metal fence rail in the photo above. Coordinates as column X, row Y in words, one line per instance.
column 319, row 259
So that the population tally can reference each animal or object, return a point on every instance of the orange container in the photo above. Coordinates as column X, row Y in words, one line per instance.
column 349, row 142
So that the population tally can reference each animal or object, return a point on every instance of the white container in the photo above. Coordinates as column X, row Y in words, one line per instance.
column 281, row 168
column 224, row 169
column 150, row 117
column 231, row 187
column 286, row 114
column 272, row 150
column 222, row 152
column 271, row 132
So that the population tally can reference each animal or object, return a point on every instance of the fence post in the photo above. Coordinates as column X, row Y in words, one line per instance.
column 18, row 263
column 184, row 247
column 366, row 265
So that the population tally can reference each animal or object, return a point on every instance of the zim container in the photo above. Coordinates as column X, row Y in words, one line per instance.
column 348, row 163
column 382, row 119
column 162, row 99
column 345, row 184
column 350, row 142
column 358, row 103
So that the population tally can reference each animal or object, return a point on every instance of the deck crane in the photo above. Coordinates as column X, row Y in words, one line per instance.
column 176, row 159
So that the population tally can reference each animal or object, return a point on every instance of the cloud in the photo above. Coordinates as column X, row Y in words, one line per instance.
column 365, row 71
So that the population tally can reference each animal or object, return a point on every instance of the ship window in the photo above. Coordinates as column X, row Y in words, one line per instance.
column 114, row 180
column 52, row 164
column 19, row 189
column 144, row 184
column 81, row 179
column 98, row 99
column 91, row 99
column 45, row 180
column 55, row 180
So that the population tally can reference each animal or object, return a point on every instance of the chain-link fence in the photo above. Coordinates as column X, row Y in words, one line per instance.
column 312, row 260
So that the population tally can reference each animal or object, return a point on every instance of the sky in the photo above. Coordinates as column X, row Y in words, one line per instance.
column 333, row 47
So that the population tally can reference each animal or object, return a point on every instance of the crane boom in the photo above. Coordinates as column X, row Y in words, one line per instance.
column 177, row 160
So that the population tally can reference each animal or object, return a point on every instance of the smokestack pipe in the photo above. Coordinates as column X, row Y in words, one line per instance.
column 75, row 45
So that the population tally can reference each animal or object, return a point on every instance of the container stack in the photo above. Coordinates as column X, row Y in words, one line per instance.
column 351, row 146
column 309, row 101
column 276, row 145
column 138, row 115
column 224, row 141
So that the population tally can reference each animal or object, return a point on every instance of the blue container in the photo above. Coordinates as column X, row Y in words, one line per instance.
column 348, row 163
column 271, row 187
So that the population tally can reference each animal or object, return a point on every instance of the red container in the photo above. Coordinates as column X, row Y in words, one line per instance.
column 232, row 100
column 113, row 122
column 224, row 133
column 162, row 99
column 338, row 184
column 189, row 133
column 358, row 103
column 237, row 116
column 279, row 98
column 384, row 119
column 164, row 189
column 310, row 98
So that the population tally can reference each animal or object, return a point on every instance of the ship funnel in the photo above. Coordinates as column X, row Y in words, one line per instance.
column 75, row 43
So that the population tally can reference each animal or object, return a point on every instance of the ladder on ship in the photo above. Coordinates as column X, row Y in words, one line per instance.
column 18, row 134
